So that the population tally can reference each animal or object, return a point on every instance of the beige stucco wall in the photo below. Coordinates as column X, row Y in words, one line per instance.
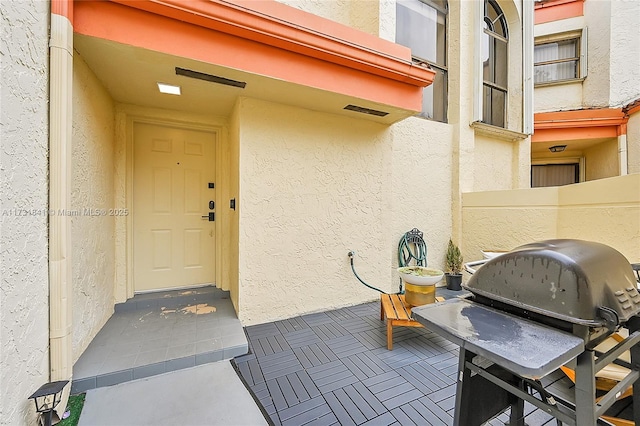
column 633, row 143
column 421, row 190
column 601, row 160
column 24, row 286
column 493, row 164
column 92, row 204
column 360, row 14
column 312, row 187
column 606, row 211
column 596, row 87
column 625, row 52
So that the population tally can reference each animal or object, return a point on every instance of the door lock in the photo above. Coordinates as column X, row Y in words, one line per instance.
column 212, row 205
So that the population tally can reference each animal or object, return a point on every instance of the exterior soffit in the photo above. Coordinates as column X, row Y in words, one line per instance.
column 268, row 40
column 284, row 27
column 579, row 124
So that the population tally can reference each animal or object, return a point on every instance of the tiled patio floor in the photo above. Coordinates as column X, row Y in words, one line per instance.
column 334, row 368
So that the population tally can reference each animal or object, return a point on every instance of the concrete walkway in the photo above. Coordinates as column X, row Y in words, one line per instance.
column 210, row 394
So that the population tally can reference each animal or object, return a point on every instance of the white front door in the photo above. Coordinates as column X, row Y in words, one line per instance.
column 173, row 185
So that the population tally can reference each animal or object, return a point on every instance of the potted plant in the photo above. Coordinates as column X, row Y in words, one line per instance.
column 453, row 266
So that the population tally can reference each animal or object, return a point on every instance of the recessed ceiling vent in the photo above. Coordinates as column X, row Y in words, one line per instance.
column 209, row 77
column 364, row 110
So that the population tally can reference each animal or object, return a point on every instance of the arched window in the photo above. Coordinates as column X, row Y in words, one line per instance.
column 495, row 39
column 421, row 25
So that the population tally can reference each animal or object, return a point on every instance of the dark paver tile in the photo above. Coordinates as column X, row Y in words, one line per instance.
column 314, row 355
column 261, row 330
column 317, row 319
column 330, row 331
column 303, row 337
column 384, row 420
column 290, row 325
column 341, row 412
column 304, row 412
column 345, row 346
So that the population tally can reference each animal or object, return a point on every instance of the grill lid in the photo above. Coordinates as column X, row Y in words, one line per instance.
column 581, row 282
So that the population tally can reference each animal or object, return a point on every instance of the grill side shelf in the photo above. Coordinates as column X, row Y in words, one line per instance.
column 523, row 347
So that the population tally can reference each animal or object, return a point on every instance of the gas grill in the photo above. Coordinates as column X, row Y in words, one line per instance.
column 531, row 311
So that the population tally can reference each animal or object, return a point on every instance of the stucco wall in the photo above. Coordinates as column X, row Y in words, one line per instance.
column 493, row 164
column 633, row 143
column 312, row 187
column 359, row 14
column 559, row 97
column 596, row 86
column 92, row 198
column 421, row 185
column 606, row 211
column 24, row 289
column 625, row 52
column 601, row 160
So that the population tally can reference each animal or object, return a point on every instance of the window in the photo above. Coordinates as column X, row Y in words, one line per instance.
column 560, row 59
column 495, row 39
column 421, row 25
column 554, row 174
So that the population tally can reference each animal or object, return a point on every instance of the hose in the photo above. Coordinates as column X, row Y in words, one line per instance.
column 405, row 253
column 351, row 255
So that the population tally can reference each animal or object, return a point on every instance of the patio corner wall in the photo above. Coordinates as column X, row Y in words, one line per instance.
column 606, row 211
column 92, row 198
column 312, row 187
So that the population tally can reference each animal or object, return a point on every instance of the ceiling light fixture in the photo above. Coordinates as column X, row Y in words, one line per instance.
column 169, row 89
column 557, row 148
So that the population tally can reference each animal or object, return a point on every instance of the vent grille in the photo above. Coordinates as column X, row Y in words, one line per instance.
column 210, row 78
column 364, row 110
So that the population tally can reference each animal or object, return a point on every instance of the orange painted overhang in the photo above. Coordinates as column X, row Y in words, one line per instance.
column 578, row 124
column 555, row 10
column 263, row 37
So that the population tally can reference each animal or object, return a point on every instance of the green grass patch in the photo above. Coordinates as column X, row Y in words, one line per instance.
column 75, row 404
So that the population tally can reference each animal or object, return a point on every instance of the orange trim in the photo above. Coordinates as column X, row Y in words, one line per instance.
column 579, row 124
column 556, row 10
column 572, row 134
column 225, row 34
column 63, row 8
column 622, row 129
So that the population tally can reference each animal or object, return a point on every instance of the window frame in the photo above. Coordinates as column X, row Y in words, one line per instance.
column 489, row 84
column 581, row 56
column 442, row 69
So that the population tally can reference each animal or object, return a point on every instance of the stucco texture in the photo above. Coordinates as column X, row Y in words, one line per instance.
column 493, row 164
column 605, row 210
column 312, row 187
column 24, row 289
column 92, row 204
column 601, row 160
column 359, row 14
column 421, row 185
column 625, row 51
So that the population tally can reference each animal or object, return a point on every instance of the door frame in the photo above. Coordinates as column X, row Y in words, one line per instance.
column 126, row 117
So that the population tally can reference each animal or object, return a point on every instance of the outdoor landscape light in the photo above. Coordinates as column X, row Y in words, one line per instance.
column 169, row 89
column 557, row 148
column 47, row 398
